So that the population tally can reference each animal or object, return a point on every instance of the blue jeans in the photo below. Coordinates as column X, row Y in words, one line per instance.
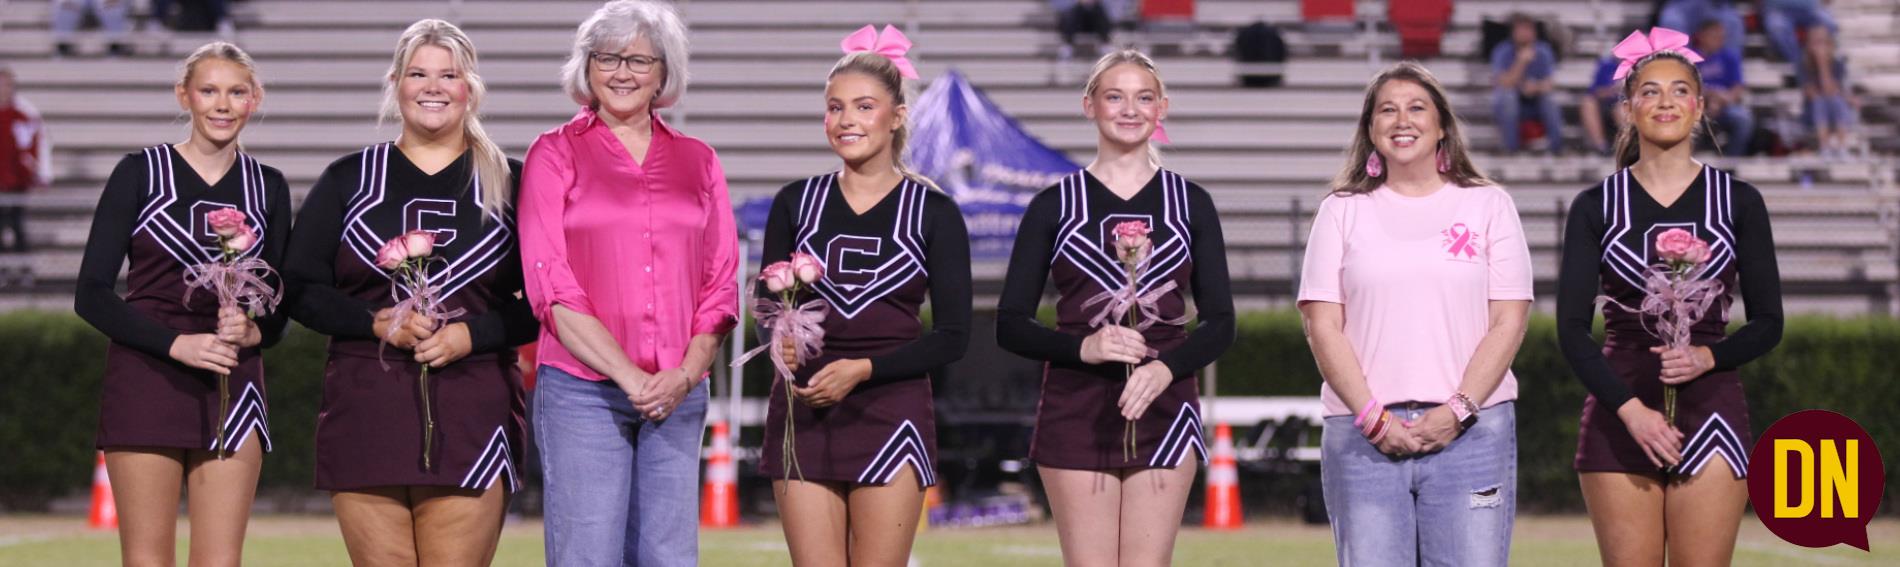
column 1738, row 122
column 1831, row 112
column 1453, row 507
column 67, row 14
column 620, row 490
column 1780, row 19
column 1508, row 108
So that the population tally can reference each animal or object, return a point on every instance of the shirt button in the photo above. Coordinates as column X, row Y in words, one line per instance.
column 649, row 269
column 647, row 234
column 649, row 307
column 539, row 265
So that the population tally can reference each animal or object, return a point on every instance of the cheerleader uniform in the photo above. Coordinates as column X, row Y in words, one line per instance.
column 1067, row 236
column 370, row 427
column 153, row 211
column 879, row 265
column 1608, row 241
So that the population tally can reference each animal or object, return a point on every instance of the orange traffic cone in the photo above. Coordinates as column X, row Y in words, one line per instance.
column 719, row 505
column 1223, row 484
column 105, row 514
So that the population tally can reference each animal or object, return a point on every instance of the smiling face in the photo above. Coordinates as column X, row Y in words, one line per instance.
column 1126, row 105
column 861, row 117
column 1405, row 124
column 432, row 94
column 220, row 95
column 626, row 87
column 1665, row 101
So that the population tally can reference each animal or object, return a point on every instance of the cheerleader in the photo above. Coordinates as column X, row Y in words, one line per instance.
column 1105, row 381
column 159, row 416
column 1658, row 488
column 418, row 476
column 866, row 434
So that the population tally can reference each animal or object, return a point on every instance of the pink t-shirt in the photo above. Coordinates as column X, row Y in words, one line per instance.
column 1416, row 275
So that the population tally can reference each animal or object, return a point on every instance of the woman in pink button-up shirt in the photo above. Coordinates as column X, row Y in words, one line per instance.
column 630, row 252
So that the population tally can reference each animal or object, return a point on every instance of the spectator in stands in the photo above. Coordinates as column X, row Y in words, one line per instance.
column 1693, row 14
column 1414, row 292
column 1723, row 88
column 20, row 139
column 1783, row 21
column 1598, row 110
column 628, row 243
column 1075, row 17
column 1831, row 109
column 1524, row 69
column 195, row 15
column 163, row 421
column 67, row 15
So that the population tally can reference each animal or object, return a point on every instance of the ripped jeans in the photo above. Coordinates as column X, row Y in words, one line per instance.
column 1453, row 507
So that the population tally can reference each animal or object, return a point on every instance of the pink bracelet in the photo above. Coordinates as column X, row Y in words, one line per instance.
column 1379, row 428
column 1365, row 412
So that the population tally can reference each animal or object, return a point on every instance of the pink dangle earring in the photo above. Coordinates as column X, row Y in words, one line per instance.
column 1444, row 159
column 1375, row 166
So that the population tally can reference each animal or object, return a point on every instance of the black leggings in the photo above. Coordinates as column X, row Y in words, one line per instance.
column 13, row 217
column 1083, row 17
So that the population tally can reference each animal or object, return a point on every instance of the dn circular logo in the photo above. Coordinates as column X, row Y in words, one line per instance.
column 1815, row 479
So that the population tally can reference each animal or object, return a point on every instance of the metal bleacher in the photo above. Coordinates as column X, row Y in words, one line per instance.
column 758, row 67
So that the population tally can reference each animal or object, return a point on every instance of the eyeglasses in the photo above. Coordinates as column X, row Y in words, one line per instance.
column 608, row 62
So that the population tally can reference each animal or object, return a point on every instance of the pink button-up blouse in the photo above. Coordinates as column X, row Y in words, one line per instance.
column 649, row 249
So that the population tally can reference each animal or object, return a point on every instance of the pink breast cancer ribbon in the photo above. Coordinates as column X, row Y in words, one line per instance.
column 1458, row 237
column 890, row 43
column 1635, row 47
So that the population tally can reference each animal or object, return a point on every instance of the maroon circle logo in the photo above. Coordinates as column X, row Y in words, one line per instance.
column 1815, row 479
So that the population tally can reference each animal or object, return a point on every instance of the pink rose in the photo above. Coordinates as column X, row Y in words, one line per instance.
column 807, row 267
column 241, row 241
column 1698, row 253
column 392, row 255
column 226, row 221
column 778, row 277
column 1675, row 244
column 1131, row 241
column 418, row 243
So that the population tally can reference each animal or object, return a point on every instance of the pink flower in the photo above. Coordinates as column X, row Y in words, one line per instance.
column 807, row 267
column 418, row 243
column 1131, row 241
column 226, row 221
column 392, row 255
column 778, row 277
column 1698, row 253
column 1675, row 245
column 241, row 241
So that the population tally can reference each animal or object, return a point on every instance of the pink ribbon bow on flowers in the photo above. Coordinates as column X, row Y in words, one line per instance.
column 1635, row 47
column 890, row 43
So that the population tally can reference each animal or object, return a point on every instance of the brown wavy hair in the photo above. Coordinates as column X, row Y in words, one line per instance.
column 1352, row 178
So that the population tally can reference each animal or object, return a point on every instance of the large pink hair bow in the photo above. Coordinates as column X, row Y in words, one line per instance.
column 891, row 44
column 1635, row 47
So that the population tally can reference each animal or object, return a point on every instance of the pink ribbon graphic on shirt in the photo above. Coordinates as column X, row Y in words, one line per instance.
column 891, row 44
column 1458, row 241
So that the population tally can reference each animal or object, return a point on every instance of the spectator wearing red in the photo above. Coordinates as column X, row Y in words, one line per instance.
column 20, row 138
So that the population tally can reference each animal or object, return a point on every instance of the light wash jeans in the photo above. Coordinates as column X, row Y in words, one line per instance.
column 620, row 490
column 1453, row 507
column 67, row 14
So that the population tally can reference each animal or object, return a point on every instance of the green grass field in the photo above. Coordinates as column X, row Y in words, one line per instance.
column 313, row 541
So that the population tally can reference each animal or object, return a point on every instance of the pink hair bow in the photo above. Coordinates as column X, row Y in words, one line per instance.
column 1635, row 47
column 891, row 44
column 1161, row 133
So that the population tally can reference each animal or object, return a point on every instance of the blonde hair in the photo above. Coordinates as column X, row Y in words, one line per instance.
column 1132, row 57
column 1352, row 179
column 490, row 165
column 611, row 29
column 880, row 68
column 218, row 50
